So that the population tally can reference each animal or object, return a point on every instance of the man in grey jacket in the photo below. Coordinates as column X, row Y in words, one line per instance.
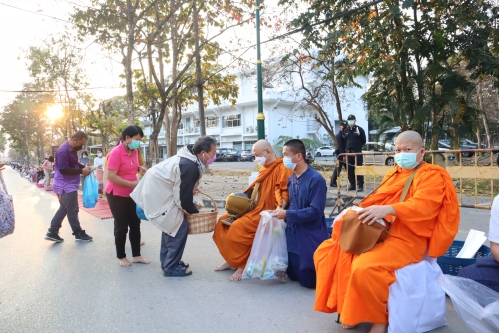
column 165, row 193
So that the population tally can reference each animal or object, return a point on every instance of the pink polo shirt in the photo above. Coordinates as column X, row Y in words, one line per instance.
column 126, row 167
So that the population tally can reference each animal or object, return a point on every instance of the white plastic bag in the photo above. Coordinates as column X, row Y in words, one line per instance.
column 269, row 256
column 476, row 305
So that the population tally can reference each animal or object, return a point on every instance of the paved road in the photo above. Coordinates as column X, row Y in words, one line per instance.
column 79, row 287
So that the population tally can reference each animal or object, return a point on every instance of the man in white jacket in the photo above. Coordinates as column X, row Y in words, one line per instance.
column 165, row 193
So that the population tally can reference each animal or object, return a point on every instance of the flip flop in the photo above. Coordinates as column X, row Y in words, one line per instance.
column 179, row 271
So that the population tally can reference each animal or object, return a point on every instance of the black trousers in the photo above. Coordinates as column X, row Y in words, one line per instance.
column 336, row 172
column 350, row 169
column 123, row 210
column 172, row 248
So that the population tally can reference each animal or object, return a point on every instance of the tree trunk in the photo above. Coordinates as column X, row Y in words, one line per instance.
column 127, row 62
column 199, row 78
column 483, row 117
column 171, row 124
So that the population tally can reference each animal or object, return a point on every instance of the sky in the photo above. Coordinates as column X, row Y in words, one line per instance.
column 27, row 26
column 20, row 29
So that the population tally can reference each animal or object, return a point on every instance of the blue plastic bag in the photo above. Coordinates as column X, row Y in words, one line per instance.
column 140, row 213
column 90, row 191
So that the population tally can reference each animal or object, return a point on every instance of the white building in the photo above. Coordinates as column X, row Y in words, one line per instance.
column 285, row 114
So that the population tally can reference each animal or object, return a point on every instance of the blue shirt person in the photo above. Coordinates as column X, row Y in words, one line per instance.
column 305, row 217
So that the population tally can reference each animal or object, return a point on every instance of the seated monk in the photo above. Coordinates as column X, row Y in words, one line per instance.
column 357, row 287
column 235, row 242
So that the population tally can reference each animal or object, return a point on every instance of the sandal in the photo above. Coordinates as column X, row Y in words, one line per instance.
column 179, row 271
column 183, row 264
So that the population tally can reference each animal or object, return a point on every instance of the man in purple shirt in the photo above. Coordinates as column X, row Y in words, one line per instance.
column 66, row 183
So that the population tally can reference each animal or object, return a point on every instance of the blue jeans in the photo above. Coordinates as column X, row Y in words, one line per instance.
column 68, row 207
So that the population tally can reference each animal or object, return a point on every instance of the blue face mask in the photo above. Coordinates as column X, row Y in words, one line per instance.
column 407, row 161
column 287, row 161
column 134, row 144
column 350, row 122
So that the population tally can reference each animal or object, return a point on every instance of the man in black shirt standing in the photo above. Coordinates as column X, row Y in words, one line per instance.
column 355, row 139
column 339, row 150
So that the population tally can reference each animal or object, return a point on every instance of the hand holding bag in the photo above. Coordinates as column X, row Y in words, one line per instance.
column 357, row 237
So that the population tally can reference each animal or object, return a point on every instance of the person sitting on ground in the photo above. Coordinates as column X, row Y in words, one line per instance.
column 485, row 270
column 165, row 193
column 427, row 220
column 305, row 216
column 39, row 174
column 235, row 242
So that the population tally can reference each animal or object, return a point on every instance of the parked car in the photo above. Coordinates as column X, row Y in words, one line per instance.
column 444, row 146
column 247, row 155
column 220, row 153
column 230, row 156
column 465, row 144
column 376, row 159
column 325, row 151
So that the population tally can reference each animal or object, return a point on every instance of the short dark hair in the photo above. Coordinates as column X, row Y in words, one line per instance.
column 131, row 131
column 296, row 146
column 80, row 135
column 204, row 143
column 85, row 152
column 51, row 158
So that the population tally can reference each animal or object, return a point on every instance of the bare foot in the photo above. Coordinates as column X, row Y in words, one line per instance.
column 224, row 267
column 378, row 328
column 140, row 260
column 348, row 327
column 142, row 243
column 237, row 275
column 124, row 262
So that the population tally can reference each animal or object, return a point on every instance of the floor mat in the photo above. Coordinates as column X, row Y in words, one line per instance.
column 101, row 209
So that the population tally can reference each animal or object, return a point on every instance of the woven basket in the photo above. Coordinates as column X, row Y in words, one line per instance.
column 203, row 222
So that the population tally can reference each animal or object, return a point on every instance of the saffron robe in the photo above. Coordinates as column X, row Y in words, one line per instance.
column 357, row 287
column 235, row 242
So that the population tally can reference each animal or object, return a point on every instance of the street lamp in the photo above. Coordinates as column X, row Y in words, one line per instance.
column 260, row 108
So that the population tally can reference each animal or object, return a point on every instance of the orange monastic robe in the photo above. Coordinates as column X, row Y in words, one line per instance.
column 235, row 242
column 357, row 287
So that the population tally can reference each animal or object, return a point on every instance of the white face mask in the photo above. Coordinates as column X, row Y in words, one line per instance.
column 99, row 154
column 260, row 160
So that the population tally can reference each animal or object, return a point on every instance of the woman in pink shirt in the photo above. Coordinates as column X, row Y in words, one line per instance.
column 123, row 164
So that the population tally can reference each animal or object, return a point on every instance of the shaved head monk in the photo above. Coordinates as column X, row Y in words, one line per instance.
column 235, row 242
column 357, row 287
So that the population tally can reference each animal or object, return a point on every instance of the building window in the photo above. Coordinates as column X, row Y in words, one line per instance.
column 196, row 122
column 162, row 152
column 233, row 120
column 212, row 121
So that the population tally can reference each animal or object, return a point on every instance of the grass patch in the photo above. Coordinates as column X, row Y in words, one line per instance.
column 483, row 187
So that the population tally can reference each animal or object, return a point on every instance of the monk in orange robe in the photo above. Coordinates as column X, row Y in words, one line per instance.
column 357, row 287
column 235, row 242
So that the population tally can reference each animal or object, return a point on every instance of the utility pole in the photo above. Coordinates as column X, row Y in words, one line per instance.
column 260, row 108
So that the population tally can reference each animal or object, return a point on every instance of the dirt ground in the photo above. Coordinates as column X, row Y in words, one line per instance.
column 220, row 183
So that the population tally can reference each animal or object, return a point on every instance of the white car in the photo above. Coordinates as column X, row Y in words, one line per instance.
column 377, row 159
column 325, row 151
